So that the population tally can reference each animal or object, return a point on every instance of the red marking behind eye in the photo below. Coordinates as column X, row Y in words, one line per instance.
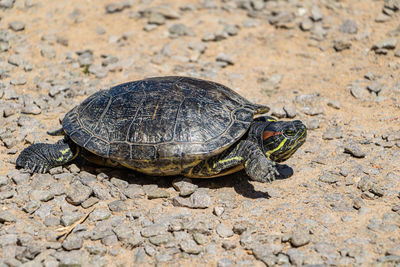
column 267, row 134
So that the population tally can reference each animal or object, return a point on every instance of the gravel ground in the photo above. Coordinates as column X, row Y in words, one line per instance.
column 333, row 64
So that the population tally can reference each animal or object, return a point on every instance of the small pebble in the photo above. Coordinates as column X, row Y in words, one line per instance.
column 354, row 149
column 16, row 26
column 349, row 26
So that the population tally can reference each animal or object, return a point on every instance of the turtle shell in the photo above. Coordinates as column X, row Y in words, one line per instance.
column 146, row 122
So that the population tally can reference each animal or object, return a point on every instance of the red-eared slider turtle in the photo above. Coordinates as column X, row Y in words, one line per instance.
column 171, row 126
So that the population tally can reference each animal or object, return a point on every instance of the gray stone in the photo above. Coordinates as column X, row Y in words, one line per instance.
column 153, row 230
column 224, row 262
column 333, row 133
column 299, row 238
column 68, row 218
column 231, row 30
column 278, row 112
column 16, row 26
column 98, row 70
column 358, row 203
column 123, row 231
column 3, row 181
column 328, row 178
column 51, row 221
column 10, row 93
column 78, row 193
column 179, row 29
column 42, row 195
column 100, row 192
column 290, row 111
column 199, row 238
column 100, row 214
column 241, row 226
column 354, row 149
column 117, row 7
column 313, row 124
column 208, row 37
column 156, row 18
column 133, row 191
column 7, row 240
column 18, row 177
column 359, row 92
column 181, row 202
column 218, row 211
column 296, row 256
column 349, row 26
column 31, row 206
column 382, row 18
column 48, row 52
column 375, row 87
column 340, row 45
column 184, row 186
column 150, row 250
column 85, row 58
column 31, row 109
column 224, row 231
column 392, row 4
column 228, row 245
column 57, row 89
column 190, row 247
column 393, row 259
column 265, row 254
column 72, row 242
column 6, row 216
column 139, row 256
column 316, row 13
column 222, row 57
column 161, row 239
column 200, row 199
column 388, row 43
column 157, row 193
column 7, row 3
column 201, row 225
column 89, row 202
column 109, row 240
column 96, row 249
column 117, row 206
column 44, row 210
column 306, row 24
column 310, row 104
column 20, row 80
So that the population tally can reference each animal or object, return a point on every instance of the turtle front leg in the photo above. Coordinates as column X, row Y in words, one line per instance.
column 258, row 167
column 246, row 154
column 41, row 157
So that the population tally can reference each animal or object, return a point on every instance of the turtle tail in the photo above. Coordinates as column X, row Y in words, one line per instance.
column 41, row 157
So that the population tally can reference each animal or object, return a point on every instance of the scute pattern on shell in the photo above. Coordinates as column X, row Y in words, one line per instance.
column 160, row 118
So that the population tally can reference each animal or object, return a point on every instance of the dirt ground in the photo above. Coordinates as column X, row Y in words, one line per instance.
column 332, row 64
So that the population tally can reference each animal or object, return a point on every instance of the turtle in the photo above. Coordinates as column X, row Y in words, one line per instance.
column 171, row 125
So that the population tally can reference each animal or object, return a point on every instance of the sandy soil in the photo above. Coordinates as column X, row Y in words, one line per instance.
column 278, row 64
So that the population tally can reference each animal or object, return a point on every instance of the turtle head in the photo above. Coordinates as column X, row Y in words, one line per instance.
column 282, row 138
column 41, row 157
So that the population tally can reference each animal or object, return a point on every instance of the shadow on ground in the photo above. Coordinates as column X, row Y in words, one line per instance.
column 239, row 181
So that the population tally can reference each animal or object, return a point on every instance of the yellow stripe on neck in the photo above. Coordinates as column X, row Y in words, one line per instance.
column 269, row 153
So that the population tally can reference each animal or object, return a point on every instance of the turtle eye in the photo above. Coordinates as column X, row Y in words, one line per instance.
column 290, row 133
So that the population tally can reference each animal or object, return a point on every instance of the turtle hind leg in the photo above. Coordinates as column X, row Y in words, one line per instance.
column 42, row 157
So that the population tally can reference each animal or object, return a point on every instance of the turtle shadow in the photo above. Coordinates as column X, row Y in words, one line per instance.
column 239, row 181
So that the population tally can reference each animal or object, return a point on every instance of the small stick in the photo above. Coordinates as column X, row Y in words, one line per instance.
column 68, row 229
